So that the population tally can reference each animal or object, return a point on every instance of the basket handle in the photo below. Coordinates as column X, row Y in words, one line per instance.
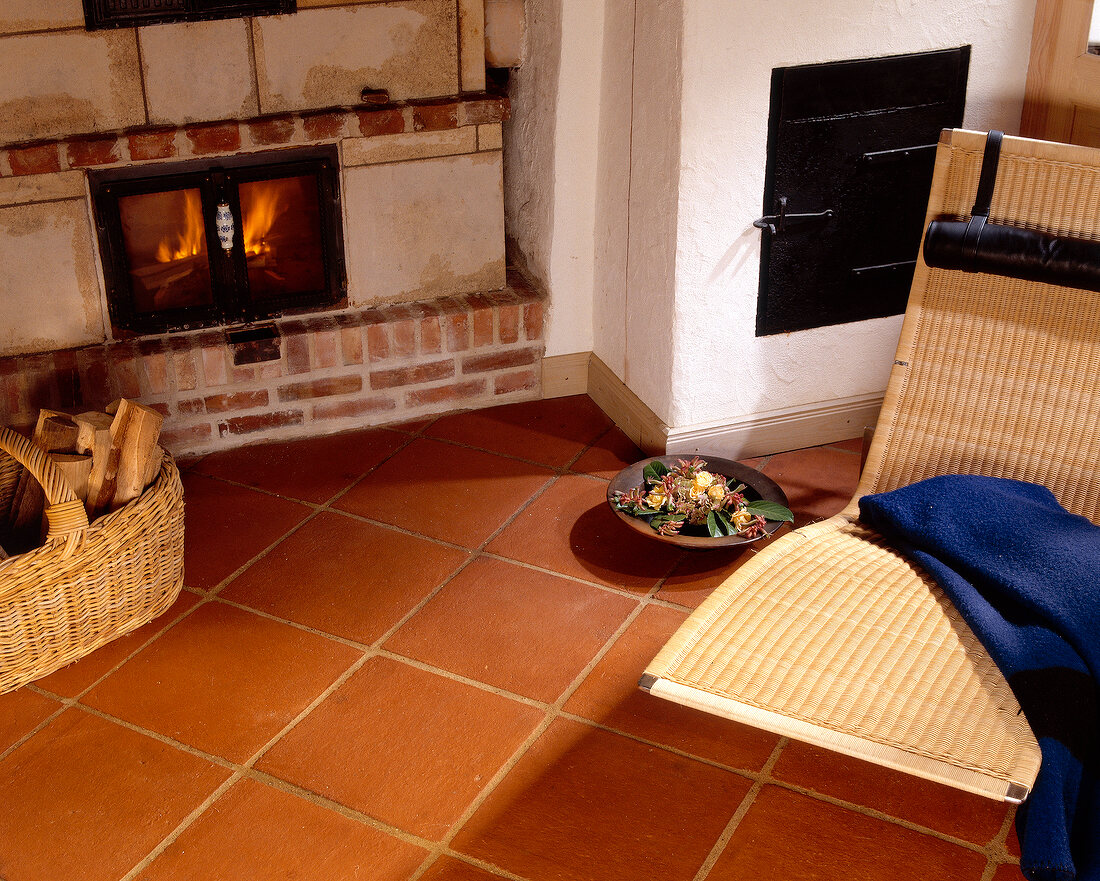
column 65, row 513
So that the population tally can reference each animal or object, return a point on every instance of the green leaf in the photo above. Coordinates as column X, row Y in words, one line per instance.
column 727, row 524
column 654, row 471
column 770, row 510
column 735, row 489
column 712, row 526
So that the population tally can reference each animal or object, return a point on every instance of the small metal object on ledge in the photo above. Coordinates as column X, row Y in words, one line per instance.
column 374, row 97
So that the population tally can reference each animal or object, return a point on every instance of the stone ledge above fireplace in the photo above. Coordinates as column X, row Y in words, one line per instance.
column 155, row 143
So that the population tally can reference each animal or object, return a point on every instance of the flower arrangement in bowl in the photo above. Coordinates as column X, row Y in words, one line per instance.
column 698, row 502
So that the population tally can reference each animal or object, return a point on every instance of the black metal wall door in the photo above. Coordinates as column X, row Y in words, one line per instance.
column 850, row 153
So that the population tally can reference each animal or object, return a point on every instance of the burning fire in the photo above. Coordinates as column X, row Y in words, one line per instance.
column 189, row 240
column 260, row 205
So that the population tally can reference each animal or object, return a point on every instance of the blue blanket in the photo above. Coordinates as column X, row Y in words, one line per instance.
column 1025, row 575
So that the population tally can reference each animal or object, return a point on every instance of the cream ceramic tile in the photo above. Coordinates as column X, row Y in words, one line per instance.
column 68, row 283
column 172, row 53
column 91, row 84
column 326, row 57
column 413, row 145
column 407, row 252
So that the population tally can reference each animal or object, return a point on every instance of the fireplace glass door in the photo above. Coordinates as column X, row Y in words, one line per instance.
column 220, row 245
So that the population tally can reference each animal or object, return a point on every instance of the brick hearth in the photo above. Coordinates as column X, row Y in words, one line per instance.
column 332, row 372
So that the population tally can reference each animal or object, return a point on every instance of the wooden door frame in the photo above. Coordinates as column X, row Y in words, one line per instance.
column 1059, row 76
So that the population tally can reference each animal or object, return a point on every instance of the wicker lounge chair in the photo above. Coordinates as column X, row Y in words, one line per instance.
column 828, row 635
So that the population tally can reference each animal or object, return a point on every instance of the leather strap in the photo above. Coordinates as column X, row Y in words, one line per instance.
column 988, row 178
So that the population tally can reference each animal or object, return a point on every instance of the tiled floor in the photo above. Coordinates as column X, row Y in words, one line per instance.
column 411, row 653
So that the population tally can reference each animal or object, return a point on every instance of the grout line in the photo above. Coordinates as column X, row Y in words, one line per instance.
column 762, row 777
column 239, row 771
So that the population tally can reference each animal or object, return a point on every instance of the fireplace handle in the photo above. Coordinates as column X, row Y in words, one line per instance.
column 223, row 218
column 777, row 223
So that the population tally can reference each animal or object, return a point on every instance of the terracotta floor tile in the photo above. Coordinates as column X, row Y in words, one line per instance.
column 699, row 572
column 87, row 799
column 904, row 796
column 445, row 492
column 513, row 627
column 610, row 695
column 608, row 455
column 223, row 680
column 584, row 803
column 257, row 832
column 345, row 577
column 793, row 837
column 450, row 869
column 570, row 529
column 551, row 432
column 1008, row 872
column 20, row 711
column 225, row 526
column 72, row 680
column 818, row 481
column 852, row 444
column 408, row 747
column 314, row 469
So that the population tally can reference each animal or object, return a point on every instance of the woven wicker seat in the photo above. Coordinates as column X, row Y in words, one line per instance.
column 829, row 636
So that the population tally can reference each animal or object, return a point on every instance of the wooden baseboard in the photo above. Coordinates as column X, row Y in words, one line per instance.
column 628, row 411
column 758, row 434
column 564, row 375
column 791, row 428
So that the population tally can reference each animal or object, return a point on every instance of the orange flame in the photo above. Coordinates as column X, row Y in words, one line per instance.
column 261, row 207
column 189, row 240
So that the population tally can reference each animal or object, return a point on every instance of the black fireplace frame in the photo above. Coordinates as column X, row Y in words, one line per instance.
column 217, row 181
column 100, row 14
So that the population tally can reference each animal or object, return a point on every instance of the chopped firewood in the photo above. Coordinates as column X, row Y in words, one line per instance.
column 77, row 469
column 112, row 408
column 119, row 476
column 152, row 469
column 93, row 430
column 54, row 431
column 3, row 553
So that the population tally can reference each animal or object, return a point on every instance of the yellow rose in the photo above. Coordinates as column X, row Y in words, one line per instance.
column 716, row 491
column 702, row 481
column 655, row 499
column 742, row 519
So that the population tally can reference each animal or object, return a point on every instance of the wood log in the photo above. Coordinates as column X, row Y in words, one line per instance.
column 77, row 469
column 3, row 553
column 136, row 430
column 93, row 430
column 119, row 476
column 53, row 431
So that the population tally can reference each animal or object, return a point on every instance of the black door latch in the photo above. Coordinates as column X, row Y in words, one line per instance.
column 776, row 223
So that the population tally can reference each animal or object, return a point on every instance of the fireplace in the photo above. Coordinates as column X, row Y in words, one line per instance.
column 200, row 244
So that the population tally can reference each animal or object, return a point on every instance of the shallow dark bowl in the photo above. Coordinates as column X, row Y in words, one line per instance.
column 758, row 486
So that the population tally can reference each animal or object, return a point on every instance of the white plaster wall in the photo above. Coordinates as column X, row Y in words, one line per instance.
column 610, row 301
column 722, row 371
column 529, row 139
column 652, row 282
column 576, row 154
column 552, row 148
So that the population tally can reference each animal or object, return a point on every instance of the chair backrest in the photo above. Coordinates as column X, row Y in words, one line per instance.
column 995, row 375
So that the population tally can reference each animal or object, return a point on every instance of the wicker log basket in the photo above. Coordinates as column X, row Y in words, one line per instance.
column 87, row 584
